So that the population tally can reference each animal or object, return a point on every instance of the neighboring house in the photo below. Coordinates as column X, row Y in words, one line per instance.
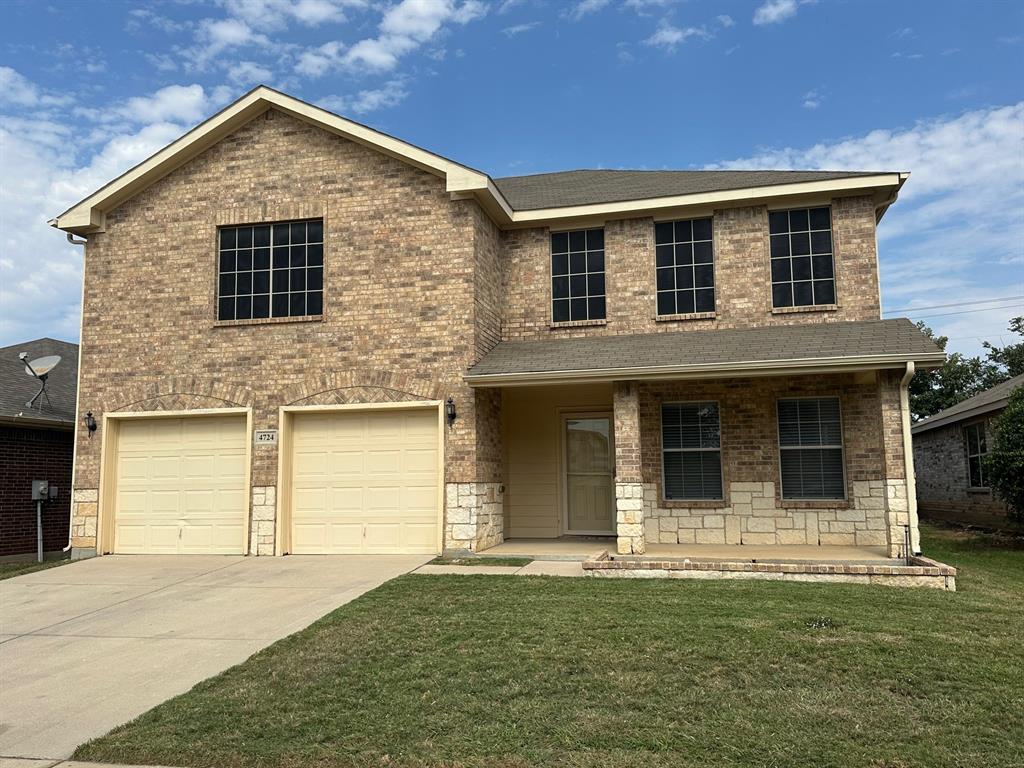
column 36, row 443
column 949, row 451
column 450, row 360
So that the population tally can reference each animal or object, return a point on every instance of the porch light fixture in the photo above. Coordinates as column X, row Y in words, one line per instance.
column 90, row 423
column 449, row 410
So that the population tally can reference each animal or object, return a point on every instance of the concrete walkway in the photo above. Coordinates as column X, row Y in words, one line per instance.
column 88, row 646
column 536, row 568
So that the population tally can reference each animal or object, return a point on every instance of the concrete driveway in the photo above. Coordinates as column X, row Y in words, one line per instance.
column 90, row 645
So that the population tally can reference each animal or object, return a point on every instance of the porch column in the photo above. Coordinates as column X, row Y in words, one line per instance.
column 629, row 490
column 901, row 499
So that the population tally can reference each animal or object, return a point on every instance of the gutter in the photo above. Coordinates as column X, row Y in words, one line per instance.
column 715, row 370
column 968, row 413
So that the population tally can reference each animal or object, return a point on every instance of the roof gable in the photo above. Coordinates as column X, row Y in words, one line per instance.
column 991, row 399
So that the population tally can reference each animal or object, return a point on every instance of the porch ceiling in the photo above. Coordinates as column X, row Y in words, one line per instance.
column 774, row 350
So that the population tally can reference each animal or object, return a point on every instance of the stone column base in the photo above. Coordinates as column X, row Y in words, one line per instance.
column 263, row 528
column 474, row 516
column 629, row 518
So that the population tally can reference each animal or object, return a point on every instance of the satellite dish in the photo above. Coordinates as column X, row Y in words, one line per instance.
column 42, row 366
column 39, row 369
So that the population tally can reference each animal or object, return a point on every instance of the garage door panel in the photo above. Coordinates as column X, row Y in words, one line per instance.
column 181, row 486
column 377, row 490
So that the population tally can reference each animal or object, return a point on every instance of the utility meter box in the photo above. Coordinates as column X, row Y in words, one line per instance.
column 40, row 490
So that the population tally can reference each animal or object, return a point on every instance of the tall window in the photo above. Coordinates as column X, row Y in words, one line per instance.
column 976, row 450
column 801, row 250
column 691, row 450
column 683, row 257
column 271, row 270
column 811, row 448
column 577, row 275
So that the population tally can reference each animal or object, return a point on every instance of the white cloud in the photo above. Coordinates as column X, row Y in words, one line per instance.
column 668, row 36
column 813, row 99
column 248, row 73
column 585, row 8
column 17, row 90
column 725, row 20
column 215, row 36
column 276, row 14
column 774, row 11
column 956, row 233
column 403, row 28
column 518, row 29
column 390, row 94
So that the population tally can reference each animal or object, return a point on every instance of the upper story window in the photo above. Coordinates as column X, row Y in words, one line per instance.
column 577, row 275
column 811, row 448
column 271, row 270
column 691, row 450
column 801, row 251
column 976, row 450
column 685, row 278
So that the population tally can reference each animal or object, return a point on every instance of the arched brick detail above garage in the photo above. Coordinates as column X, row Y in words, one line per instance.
column 348, row 387
column 178, row 393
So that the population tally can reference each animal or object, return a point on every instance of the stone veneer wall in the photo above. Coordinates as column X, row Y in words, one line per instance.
column 876, row 507
column 475, row 517
column 262, row 531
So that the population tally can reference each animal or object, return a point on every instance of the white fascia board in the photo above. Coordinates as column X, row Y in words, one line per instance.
column 804, row 366
column 88, row 215
column 965, row 415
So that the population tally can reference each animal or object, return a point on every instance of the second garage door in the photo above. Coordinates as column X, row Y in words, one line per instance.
column 181, row 486
column 365, row 482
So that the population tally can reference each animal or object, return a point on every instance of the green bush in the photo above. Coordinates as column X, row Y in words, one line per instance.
column 1005, row 462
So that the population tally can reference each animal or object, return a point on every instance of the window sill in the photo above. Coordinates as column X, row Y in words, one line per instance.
column 694, row 504
column 813, row 504
column 689, row 316
column 578, row 323
column 810, row 308
column 268, row 321
column 979, row 491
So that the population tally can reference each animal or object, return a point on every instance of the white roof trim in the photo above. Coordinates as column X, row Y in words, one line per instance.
column 88, row 214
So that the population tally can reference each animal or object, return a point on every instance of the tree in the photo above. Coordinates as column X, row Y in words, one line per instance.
column 962, row 377
column 1004, row 464
column 1011, row 357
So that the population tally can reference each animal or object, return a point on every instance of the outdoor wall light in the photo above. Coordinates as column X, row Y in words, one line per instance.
column 449, row 410
column 90, row 423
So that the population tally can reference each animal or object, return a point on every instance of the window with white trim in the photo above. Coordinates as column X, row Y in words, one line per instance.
column 271, row 270
column 685, row 274
column 577, row 275
column 691, row 451
column 977, row 448
column 811, row 448
column 803, row 273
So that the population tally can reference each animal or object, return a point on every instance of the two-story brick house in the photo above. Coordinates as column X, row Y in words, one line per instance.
column 304, row 336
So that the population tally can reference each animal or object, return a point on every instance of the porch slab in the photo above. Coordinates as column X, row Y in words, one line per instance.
column 572, row 548
column 795, row 553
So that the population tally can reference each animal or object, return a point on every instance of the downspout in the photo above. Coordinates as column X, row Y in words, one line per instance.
column 908, row 459
column 78, row 390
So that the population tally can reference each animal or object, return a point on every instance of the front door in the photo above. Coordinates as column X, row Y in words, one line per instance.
column 589, row 471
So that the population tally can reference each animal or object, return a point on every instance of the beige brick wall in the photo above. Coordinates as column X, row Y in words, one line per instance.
column 742, row 275
column 403, row 318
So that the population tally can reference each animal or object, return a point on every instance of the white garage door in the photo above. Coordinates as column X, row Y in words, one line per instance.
column 181, row 486
column 365, row 482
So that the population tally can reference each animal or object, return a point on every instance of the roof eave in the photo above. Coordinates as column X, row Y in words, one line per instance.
column 970, row 413
column 744, row 369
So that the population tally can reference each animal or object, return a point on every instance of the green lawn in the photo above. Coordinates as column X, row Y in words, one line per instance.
column 13, row 568
column 516, row 672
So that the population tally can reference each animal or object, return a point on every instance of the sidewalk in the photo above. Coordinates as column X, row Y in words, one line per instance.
column 536, row 568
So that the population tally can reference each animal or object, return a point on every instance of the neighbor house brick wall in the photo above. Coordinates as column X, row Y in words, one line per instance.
column 400, row 304
column 742, row 275
column 753, row 510
column 27, row 454
column 943, row 484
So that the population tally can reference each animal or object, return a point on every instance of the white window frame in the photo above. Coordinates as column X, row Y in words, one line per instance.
column 661, row 441
column 980, row 426
column 841, row 447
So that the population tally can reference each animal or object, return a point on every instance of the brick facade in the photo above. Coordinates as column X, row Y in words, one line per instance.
column 419, row 285
column 28, row 454
column 943, row 484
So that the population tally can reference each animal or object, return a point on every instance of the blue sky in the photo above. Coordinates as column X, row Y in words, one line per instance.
column 523, row 86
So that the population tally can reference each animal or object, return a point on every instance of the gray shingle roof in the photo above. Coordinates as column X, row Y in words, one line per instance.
column 554, row 190
column 17, row 387
column 898, row 339
column 990, row 400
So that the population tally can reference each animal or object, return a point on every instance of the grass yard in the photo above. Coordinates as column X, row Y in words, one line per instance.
column 14, row 568
column 517, row 672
